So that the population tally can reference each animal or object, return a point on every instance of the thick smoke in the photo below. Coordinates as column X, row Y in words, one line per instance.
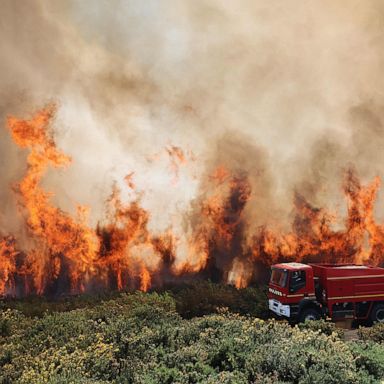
column 289, row 93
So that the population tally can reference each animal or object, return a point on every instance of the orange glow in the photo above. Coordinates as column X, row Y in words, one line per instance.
column 145, row 277
column 8, row 254
column 66, row 255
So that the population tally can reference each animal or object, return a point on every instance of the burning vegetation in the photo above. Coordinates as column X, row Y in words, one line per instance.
column 64, row 254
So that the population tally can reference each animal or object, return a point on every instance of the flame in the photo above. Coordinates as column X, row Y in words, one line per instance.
column 8, row 254
column 129, row 180
column 145, row 276
column 177, row 159
column 66, row 255
column 58, row 235
column 313, row 237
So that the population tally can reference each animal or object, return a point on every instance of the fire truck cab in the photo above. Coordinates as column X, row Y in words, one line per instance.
column 300, row 292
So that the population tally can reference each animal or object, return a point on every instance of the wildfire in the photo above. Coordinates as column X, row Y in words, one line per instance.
column 68, row 256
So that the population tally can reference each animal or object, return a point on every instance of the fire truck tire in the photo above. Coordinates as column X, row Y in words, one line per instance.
column 377, row 314
column 309, row 314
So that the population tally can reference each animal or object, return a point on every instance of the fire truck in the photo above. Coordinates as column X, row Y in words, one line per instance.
column 300, row 292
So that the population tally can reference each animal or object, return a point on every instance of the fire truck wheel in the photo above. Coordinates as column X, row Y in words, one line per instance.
column 377, row 315
column 309, row 314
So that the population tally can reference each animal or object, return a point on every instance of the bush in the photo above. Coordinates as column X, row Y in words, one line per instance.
column 326, row 327
column 197, row 298
column 5, row 327
column 204, row 297
column 140, row 338
column 369, row 357
column 374, row 333
column 306, row 356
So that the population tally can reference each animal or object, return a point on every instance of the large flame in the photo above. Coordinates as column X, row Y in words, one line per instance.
column 66, row 255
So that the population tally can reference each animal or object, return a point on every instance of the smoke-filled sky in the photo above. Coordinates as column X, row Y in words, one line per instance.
column 290, row 92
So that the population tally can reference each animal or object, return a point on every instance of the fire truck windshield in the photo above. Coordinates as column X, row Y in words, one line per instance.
column 279, row 277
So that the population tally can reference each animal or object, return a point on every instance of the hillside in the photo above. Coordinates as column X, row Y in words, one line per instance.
column 141, row 338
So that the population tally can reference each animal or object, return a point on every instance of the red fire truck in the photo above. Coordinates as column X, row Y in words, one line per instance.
column 302, row 292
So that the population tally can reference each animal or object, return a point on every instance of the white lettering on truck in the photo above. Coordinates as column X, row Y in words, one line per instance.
column 275, row 292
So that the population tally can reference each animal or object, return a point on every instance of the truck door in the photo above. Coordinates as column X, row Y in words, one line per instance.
column 300, row 293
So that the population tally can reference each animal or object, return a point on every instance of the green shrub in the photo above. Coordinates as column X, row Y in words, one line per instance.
column 141, row 338
column 197, row 298
column 5, row 327
column 204, row 297
column 326, row 327
column 12, row 322
column 374, row 333
column 369, row 357
column 308, row 356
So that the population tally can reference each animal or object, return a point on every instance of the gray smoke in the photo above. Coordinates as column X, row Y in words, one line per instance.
column 291, row 91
